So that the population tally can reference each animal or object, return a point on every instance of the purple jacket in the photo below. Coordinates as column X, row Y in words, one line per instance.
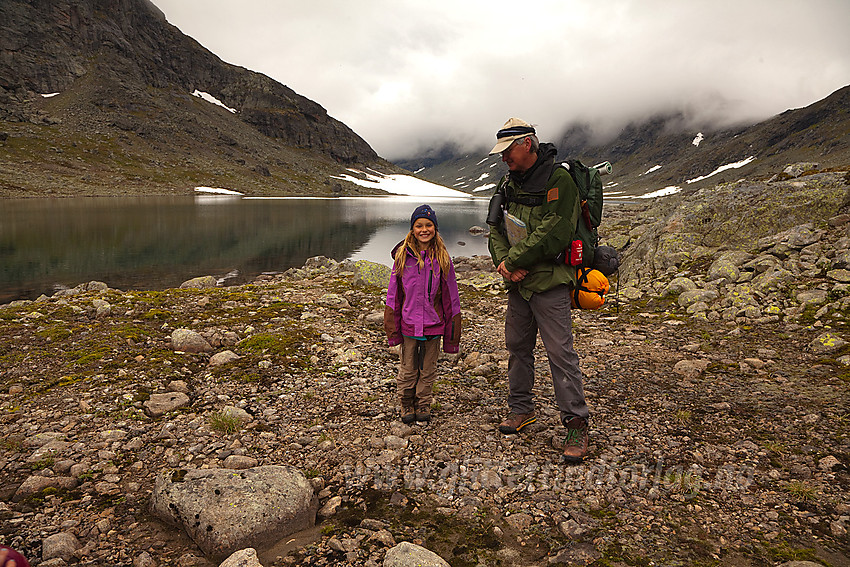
column 423, row 303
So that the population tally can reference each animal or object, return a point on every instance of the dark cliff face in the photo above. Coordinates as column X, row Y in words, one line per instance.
column 49, row 46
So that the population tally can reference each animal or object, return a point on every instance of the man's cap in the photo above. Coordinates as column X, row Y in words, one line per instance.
column 513, row 130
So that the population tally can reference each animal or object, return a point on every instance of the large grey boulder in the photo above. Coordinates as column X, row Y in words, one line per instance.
column 186, row 340
column 202, row 282
column 224, row 511
column 727, row 265
column 407, row 554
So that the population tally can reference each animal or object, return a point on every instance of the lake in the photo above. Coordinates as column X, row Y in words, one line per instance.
column 134, row 243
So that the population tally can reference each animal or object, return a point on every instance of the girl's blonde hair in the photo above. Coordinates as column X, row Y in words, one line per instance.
column 435, row 250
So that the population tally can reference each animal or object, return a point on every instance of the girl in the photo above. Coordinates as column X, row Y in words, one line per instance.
column 422, row 305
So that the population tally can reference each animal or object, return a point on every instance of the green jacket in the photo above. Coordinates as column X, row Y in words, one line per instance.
column 551, row 224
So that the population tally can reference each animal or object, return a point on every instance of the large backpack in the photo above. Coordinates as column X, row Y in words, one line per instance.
column 589, row 183
column 588, row 253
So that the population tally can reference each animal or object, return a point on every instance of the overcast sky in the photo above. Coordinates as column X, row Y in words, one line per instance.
column 407, row 75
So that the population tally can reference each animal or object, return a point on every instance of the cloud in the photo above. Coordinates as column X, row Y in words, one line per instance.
column 409, row 75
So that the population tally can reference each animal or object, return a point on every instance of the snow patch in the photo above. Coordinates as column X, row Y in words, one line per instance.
column 216, row 191
column 653, row 168
column 484, row 187
column 735, row 165
column 670, row 190
column 699, row 138
column 210, row 98
column 400, row 185
column 49, row 95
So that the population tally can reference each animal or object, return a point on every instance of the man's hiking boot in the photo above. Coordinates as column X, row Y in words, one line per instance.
column 516, row 421
column 423, row 415
column 575, row 444
column 408, row 416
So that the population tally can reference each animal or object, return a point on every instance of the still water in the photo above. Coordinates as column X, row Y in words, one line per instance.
column 159, row 242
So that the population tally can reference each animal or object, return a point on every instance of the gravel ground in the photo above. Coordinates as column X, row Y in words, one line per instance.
column 711, row 443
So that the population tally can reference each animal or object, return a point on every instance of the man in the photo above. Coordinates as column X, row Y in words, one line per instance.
column 545, row 198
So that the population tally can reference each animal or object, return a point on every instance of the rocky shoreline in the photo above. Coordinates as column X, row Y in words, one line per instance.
column 717, row 378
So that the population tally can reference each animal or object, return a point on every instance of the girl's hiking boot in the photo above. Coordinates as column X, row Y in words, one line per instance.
column 516, row 421
column 575, row 444
column 408, row 416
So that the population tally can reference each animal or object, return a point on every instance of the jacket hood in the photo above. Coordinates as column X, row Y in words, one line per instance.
column 396, row 247
column 534, row 180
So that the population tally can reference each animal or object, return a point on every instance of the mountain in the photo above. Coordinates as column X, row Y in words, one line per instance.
column 665, row 150
column 122, row 117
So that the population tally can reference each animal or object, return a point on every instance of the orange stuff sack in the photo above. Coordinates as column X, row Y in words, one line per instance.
column 591, row 287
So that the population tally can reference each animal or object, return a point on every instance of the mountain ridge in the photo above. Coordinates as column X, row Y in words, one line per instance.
column 124, row 78
column 818, row 133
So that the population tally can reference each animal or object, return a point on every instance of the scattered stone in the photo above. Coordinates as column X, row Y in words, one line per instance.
column 223, row 357
column 406, row 554
column 827, row 343
column 201, row 282
column 243, row 558
column 691, row 368
column 186, row 340
column 160, row 404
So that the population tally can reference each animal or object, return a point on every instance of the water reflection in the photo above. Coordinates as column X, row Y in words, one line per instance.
column 159, row 242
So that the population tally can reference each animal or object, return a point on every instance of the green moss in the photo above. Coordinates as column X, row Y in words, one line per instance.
column 783, row 553
column 54, row 333
column 133, row 332
column 157, row 315
column 84, row 356
column 43, row 463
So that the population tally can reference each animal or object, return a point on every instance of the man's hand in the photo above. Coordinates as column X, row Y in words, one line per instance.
column 515, row 276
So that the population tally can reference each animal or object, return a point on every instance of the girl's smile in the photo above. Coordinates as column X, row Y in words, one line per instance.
column 424, row 231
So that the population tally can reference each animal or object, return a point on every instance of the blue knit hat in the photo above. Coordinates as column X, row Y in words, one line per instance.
column 424, row 212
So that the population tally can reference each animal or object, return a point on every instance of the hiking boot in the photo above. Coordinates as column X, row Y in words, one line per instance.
column 575, row 444
column 423, row 415
column 516, row 421
column 408, row 416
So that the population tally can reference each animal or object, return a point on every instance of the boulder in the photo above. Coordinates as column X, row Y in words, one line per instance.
column 827, row 343
column 371, row 274
column 61, row 545
column 224, row 511
column 679, row 285
column 407, row 554
column 688, row 298
column 243, row 558
column 202, row 282
column 35, row 484
column 160, row 404
column 186, row 340
column 223, row 357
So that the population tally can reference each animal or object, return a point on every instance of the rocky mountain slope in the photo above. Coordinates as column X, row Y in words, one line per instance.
column 661, row 151
column 717, row 376
column 123, row 118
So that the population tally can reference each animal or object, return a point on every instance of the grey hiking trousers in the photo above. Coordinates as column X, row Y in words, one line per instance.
column 550, row 313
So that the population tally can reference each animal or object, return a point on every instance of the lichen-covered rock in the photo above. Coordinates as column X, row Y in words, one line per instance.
column 224, row 510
